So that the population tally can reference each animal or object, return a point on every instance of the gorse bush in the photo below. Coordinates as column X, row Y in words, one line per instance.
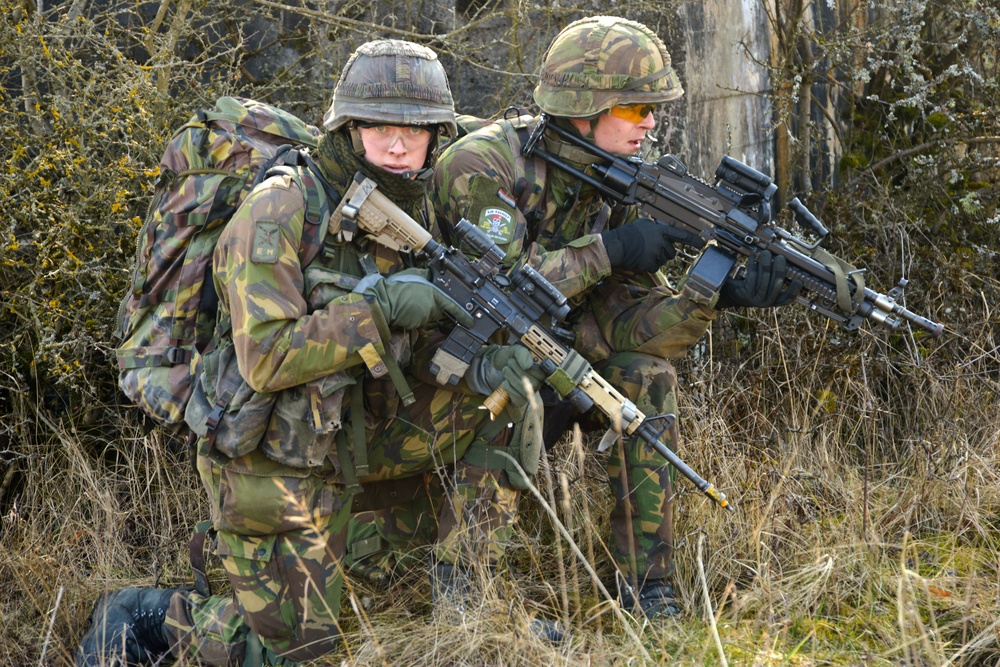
column 863, row 465
column 83, row 128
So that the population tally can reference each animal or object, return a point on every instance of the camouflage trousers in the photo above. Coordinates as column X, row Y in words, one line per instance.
column 383, row 542
column 641, row 479
column 282, row 531
column 379, row 543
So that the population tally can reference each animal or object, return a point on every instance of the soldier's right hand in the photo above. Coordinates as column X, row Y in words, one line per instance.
column 645, row 244
column 409, row 300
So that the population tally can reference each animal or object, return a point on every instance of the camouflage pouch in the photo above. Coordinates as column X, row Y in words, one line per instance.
column 256, row 496
column 525, row 447
column 225, row 409
column 305, row 421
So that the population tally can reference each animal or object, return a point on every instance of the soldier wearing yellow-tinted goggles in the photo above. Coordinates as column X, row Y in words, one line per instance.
column 635, row 113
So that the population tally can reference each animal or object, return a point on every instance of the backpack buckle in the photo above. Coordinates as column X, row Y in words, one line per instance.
column 214, row 417
column 177, row 355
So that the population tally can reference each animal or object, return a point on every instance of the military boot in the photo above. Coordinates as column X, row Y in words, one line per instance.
column 126, row 629
column 655, row 598
column 452, row 593
column 451, row 590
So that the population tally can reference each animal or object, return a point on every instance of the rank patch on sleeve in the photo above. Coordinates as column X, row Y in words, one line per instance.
column 266, row 241
column 498, row 224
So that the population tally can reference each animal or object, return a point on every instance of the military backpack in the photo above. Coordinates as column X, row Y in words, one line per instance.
column 166, row 321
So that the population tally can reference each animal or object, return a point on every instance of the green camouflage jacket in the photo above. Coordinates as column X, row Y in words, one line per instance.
column 292, row 338
column 541, row 215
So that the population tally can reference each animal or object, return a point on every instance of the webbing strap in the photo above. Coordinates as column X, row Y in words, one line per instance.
column 347, row 464
column 218, row 411
column 170, row 356
column 203, row 530
column 356, row 465
column 372, row 358
column 358, row 426
column 399, row 380
column 841, row 270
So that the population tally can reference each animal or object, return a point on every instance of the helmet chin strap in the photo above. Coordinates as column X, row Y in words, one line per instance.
column 591, row 122
column 356, row 143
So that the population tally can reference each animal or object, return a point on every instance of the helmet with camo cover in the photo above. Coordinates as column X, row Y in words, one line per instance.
column 603, row 61
column 394, row 82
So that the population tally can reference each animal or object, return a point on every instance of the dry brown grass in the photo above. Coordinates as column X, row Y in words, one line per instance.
column 864, row 550
column 865, row 482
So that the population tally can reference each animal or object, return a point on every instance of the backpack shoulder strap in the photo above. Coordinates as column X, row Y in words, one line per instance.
column 319, row 199
column 319, row 196
column 515, row 130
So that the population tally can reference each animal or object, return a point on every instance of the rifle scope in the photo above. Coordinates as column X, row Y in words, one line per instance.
column 529, row 285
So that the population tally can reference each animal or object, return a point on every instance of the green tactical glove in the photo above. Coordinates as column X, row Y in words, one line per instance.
column 505, row 366
column 645, row 244
column 762, row 285
column 409, row 300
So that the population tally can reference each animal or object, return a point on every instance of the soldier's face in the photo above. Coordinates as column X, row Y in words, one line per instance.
column 396, row 148
column 618, row 135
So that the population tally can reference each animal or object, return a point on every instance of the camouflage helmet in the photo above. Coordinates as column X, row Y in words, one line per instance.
column 596, row 63
column 394, row 82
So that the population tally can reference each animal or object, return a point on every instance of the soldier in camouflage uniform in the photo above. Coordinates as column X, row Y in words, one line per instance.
column 308, row 394
column 601, row 78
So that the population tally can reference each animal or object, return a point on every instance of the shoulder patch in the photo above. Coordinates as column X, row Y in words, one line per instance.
column 492, row 209
column 498, row 224
column 266, row 242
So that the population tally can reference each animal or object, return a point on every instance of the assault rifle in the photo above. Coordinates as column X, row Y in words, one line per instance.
column 517, row 303
column 735, row 218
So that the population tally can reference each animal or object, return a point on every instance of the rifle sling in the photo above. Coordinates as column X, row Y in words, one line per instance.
column 841, row 270
column 569, row 373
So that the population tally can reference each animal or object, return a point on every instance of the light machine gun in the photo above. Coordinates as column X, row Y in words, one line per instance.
column 516, row 303
column 735, row 218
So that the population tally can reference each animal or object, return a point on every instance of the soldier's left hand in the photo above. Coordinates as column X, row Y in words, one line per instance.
column 506, row 366
column 761, row 286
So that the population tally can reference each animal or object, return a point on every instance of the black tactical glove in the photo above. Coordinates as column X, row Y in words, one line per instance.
column 645, row 245
column 762, row 285
column 505, row 366
column 409, row 300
